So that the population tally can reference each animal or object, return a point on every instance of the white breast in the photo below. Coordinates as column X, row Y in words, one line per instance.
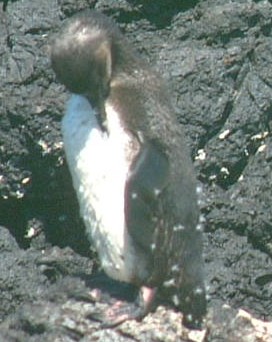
column 99, row 170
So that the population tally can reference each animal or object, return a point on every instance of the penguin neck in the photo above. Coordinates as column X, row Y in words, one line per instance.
column 125, row 59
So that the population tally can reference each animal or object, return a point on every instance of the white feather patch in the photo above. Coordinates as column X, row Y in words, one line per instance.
column 99, row 170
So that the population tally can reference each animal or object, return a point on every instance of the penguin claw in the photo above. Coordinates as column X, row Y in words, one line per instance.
column 118, row 313
column 121, row 311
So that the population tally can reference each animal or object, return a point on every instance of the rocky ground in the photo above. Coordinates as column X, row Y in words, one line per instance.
column 216, row 56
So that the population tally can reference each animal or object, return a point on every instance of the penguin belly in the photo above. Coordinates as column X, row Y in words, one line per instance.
column 99, row 169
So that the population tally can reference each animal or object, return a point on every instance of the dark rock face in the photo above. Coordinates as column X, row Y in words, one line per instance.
column 216, row 56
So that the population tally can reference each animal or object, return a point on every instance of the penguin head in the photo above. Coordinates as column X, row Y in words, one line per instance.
column 81, row 55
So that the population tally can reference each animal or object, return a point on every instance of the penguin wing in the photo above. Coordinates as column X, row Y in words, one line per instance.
column 147, row 179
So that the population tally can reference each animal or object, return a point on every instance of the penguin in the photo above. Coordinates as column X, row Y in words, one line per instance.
column 130, row 167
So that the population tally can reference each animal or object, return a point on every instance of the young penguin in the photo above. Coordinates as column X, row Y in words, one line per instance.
column 130, row 168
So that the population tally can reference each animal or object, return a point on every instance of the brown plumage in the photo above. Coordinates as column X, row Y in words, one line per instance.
column 140, row 206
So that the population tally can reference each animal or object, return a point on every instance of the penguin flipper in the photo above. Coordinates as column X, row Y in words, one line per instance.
column 147, row 179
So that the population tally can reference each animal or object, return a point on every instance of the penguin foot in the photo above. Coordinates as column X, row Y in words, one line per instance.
column 122, row 311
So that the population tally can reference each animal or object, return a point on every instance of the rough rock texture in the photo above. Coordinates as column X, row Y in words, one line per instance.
column 217, row 58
